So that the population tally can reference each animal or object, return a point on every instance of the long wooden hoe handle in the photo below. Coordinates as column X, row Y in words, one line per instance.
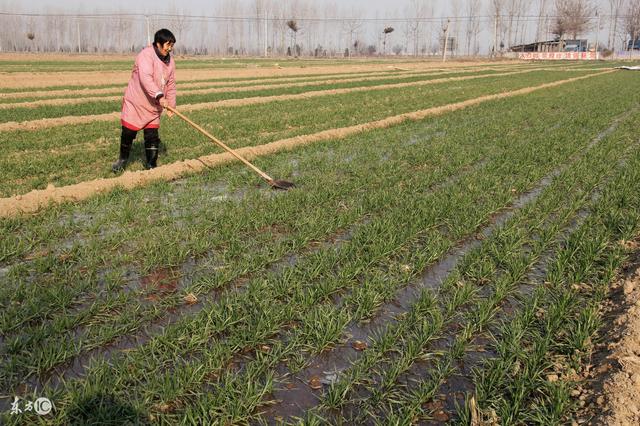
column 221, row 144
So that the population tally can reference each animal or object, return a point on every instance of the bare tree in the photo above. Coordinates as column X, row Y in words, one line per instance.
column 473, row 25
column 572, row 17
column 122, row 27
column 351, row 27
column 515, row 10
column 258, row 7
column 406, row 32
column 615, row 6
column 279, row 30
column 178, row 23
column 386, row 31
column 542, row 10
column 226, row 32
column 432, row 29
column 31, row 36
column 511, row 12
column 496, row 9
column 632, row 22
column 56, row 26
column 415, row 13
column 292, row 24
column 444, row 43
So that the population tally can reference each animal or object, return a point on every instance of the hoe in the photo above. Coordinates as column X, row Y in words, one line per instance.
column 276, row 184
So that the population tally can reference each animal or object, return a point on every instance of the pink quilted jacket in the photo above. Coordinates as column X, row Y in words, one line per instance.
column 150, row 76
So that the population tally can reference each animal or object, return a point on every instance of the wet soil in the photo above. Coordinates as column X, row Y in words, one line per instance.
column 160, row 283
column 301, row 391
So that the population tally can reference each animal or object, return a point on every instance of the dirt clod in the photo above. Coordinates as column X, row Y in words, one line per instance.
column 629, row 286
column 441, row 416
column 359, row 345
column 191, row 299
column 315, row 383
column 619, row 374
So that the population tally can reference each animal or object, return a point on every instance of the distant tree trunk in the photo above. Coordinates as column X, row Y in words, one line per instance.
column 541, row 12
column 473, row 9
column 455, row 6
column 351, row 27
column 497, row 8
column 615, row 7
column 258, row 7
column 632, row 22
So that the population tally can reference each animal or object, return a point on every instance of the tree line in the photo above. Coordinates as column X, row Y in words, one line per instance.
column 305, row 28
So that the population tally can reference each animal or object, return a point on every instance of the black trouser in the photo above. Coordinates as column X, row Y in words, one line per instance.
column 151, row 144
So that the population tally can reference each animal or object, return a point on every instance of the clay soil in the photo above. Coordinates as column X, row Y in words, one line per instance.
column 612, row 394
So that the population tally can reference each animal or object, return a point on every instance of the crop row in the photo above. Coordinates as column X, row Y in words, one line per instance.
column 195, row 63
column 377, row 381
column 379, row 235
column 12, row 318
column 35, row 159
column 233, row 394
column 39, row 95
column 15, row 83
column 19, row 112
column 42, row 96
column 541, row 352
column 55, row 92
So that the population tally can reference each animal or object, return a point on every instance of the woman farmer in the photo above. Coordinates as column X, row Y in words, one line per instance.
column 151, row 88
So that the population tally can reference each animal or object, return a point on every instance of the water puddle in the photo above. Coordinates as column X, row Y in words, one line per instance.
column 481, row 349
column 302, row 389
column 160, row 284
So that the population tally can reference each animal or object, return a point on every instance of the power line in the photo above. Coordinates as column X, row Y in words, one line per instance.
column 301, row 19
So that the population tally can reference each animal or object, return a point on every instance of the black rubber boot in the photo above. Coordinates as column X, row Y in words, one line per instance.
column 126, row 140
column 151, row 145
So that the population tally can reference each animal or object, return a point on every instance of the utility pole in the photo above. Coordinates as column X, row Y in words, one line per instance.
column 146, row 18
column 495, row 36
column 445, row 29
column 548, row 29
column 266, row 49
column 78, row 26
column 597, row 33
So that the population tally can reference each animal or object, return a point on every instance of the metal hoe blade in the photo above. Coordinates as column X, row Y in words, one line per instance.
column 281, row 184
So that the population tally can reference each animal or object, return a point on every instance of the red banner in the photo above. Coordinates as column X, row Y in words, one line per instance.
column 567, row 56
